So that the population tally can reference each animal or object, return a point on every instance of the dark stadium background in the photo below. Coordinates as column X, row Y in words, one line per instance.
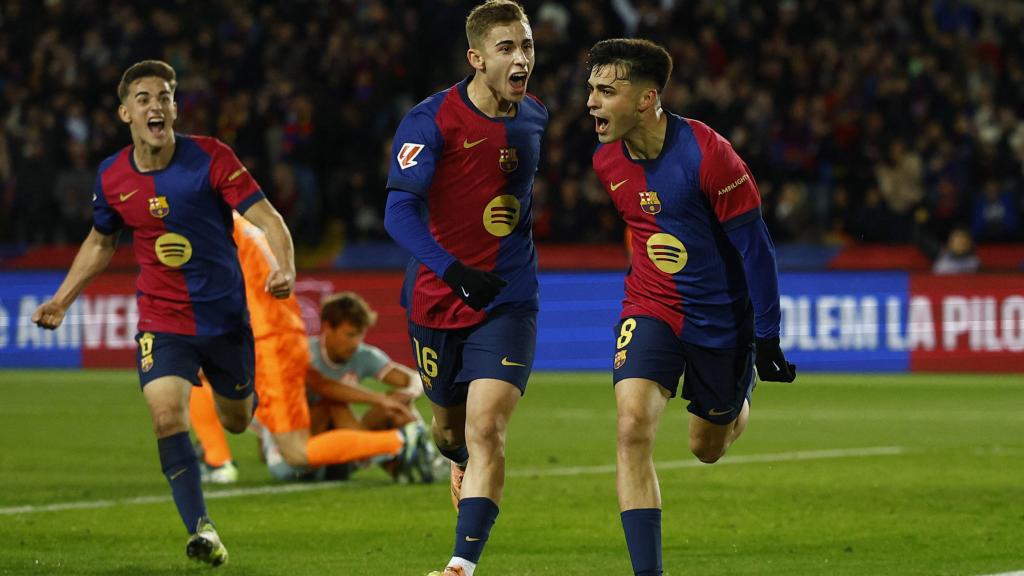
column 873, row 127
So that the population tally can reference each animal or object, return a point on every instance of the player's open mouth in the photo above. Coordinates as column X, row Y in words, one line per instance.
column 156, row 126
column 600, row 125
column 518, row 82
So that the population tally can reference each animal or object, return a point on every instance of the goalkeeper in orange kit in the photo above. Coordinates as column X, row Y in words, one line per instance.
column 283, row 369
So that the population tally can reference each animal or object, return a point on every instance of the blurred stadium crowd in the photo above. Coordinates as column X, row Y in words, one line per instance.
column 863, row 120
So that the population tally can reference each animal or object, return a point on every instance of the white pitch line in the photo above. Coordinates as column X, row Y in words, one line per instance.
column 210, row 495
column 1018, row 573
column 570, row 471
column 742, row 459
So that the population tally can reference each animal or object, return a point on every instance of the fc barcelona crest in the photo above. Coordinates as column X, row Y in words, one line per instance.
column 158, row 207
column 508, row 159
column 649, row 202
column 620, row 359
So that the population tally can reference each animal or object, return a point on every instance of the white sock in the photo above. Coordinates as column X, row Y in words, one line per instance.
column 465, row 564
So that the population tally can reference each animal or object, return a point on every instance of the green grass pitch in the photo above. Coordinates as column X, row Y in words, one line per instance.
column 836, row 475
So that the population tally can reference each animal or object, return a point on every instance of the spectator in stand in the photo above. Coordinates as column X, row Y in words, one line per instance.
column 901, row 185
column 805, row 94
column 72, row 194
column 958, row 256
column 995, row 216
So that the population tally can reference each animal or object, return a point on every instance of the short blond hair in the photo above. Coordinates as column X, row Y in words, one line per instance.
column 490, row 14
column 145, row 69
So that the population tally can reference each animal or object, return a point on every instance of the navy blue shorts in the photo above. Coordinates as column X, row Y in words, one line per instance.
column 501, row 347
column 228, row 360
column 716, row 381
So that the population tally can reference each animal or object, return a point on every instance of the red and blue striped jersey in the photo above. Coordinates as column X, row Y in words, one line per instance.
column 475, row 174
column 679, row 208
column 190, row 281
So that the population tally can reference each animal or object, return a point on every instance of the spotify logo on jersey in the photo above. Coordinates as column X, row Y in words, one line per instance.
column 501, row 215
column 173, row 250
column 667, row 252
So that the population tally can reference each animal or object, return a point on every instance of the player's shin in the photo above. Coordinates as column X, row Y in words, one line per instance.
column 642, row 528
column 207, row 427
column 181, row 467
column 476, row 517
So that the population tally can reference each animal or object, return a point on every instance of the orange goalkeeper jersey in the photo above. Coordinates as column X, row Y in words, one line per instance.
column 269, row 315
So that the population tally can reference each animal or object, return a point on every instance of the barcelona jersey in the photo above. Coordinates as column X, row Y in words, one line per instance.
column 679, row 208
column 475, row 174
column 190, row 281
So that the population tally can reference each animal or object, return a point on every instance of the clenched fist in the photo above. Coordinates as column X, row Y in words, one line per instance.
column 49, row 315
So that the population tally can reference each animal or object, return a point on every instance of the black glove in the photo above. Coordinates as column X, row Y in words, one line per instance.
column 771, row 363
column 476, row 287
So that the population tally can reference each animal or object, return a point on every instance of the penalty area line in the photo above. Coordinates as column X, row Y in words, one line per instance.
column 528, row 472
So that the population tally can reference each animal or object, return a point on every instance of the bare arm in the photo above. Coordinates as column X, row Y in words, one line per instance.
column 404, row 380
column 336, row 391
column 92, row 258
column 281, row 281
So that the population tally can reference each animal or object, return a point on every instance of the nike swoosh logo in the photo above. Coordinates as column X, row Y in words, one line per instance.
column 717, row 412
column 124, row 196
column 178, row 473
column 776, row 366
column 615, row 185
column 464, row 293
column 506, row 362
column 467, row 144
column 471, row 539
column 242, row 386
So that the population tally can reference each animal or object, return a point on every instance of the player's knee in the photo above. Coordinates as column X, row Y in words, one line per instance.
column 236, row 424
column 168, row 421
column 634, row 430
column 447, row 436
column 487, row 435
column 707, row 452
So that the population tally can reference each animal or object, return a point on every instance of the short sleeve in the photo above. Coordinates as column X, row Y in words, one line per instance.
column 417, row 148
column 725, row 179
column 232, row 180
column 105, row 219
column 371, row 361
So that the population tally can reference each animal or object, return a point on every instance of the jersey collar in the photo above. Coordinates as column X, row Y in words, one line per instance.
column 463, row 88
column 327, row 357
column 670, row 135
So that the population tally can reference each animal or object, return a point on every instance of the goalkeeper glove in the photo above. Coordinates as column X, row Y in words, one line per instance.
column 477, row 288
column 771, row 363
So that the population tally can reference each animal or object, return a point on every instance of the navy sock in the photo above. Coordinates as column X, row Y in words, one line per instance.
column 476, row 516
column 643, row 538
column 458, row 455
column 181, row 467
